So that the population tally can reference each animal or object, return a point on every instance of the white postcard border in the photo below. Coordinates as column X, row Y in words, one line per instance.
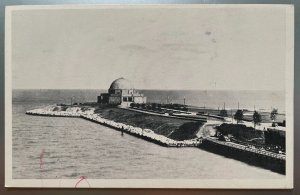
column 154, row 183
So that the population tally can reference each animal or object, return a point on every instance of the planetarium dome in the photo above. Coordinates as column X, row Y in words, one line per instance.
column 121, row 83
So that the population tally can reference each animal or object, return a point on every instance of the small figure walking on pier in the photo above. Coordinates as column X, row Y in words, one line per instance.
column 122, row 131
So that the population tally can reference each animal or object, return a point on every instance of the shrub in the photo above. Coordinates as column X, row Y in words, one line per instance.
column 56, row 109
column 186, row 131
column 256, row 118
column 239, row 115
column 239, row 131
column 275, row 137
column 223, row 113
column 273, row 114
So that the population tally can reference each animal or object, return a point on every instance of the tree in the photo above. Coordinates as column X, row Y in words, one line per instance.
column 223, row 113
column 185, row 108
column 273, row 114
column 256, row 118
column 239, row 115
column 154, row 106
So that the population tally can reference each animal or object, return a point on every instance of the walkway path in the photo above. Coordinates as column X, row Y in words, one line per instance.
column 165, row 115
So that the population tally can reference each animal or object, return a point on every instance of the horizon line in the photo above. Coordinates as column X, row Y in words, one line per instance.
column 279, row 90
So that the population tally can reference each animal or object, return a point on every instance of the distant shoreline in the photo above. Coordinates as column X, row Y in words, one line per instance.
column 237, row 90
column 248, row 99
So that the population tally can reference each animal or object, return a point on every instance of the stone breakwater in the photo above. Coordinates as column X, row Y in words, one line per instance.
column 146, row 134
column 42, row 112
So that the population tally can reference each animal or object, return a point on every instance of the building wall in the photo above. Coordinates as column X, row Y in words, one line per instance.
column 115, row 100
column 115, row 91
column 125, row 104
column 103, row 98
column 127, row 98
column 140, row 99
column 127, row 92
column 121, row 96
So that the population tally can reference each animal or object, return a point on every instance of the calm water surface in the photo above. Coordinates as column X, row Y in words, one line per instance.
column 49, row 148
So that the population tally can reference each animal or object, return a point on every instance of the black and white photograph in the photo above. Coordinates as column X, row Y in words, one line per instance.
column 149, row 96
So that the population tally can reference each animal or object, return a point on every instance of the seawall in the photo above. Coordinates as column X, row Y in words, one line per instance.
column 264, row 159
column 53, row 113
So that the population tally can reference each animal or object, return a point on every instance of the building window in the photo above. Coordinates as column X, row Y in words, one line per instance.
column 130, row 99
column 124, row 99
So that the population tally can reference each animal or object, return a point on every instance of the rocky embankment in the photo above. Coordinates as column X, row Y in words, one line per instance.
column 89, row 114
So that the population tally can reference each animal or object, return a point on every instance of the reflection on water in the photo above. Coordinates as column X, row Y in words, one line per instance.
column 49, row 148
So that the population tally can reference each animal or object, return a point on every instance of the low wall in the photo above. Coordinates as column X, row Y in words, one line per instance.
column 53, row 114
column 250, row 157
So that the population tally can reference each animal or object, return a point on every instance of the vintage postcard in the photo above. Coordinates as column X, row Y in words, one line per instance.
column 149, row 96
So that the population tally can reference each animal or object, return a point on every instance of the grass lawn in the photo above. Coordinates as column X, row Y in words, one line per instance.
column 178, row 129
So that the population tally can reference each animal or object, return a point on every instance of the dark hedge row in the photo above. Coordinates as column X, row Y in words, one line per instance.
column 275, row 137
column 240, row 132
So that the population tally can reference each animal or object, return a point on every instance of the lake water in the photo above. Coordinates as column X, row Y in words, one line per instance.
column 64, row 148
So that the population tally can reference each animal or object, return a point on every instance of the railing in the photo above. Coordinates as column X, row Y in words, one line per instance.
column 245, row 148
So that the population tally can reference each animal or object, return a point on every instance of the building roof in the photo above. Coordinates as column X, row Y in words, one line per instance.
column 121, row 83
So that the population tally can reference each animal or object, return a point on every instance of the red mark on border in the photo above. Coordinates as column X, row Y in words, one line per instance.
column 41, row 158
column 81, row 179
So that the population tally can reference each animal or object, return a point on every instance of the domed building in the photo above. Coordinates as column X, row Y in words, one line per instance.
column 121, row 92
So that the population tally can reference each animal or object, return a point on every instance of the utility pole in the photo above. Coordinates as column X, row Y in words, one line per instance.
column 72, row 100
column 184, row 100
column 238, row 105
column 224, row 105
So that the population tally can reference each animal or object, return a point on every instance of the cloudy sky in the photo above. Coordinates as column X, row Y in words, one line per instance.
column 189, row 48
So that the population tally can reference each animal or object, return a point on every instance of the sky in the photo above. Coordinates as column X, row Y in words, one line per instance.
column 155, row 48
